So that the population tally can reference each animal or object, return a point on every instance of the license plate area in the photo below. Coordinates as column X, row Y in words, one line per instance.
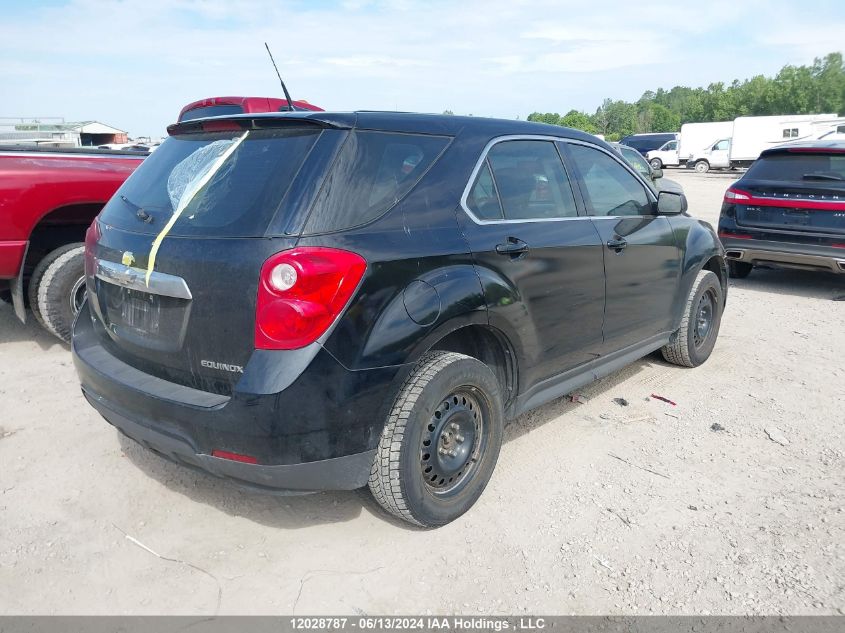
column 143, row 320
column 139, row 311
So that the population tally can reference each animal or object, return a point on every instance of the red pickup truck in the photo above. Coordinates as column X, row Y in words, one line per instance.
column 48, row 198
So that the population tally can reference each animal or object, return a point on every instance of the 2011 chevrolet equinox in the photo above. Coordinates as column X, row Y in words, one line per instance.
column 311, row 301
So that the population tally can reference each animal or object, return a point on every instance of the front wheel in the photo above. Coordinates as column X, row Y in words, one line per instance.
column 656, row 163
column 694, row 340
column 441, row 440
column 702, row 167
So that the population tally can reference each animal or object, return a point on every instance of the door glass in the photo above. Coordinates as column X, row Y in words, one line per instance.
column 610, row 188
column 636, row 160
column 483, row 200
column 721, row 146
column 531, row 181
column 672, row 146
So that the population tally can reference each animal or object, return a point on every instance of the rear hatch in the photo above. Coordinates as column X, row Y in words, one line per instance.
column 173, row 263
column 794, row 191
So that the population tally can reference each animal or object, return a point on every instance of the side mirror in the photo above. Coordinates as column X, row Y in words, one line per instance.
column 671, row 203
column 656, row 173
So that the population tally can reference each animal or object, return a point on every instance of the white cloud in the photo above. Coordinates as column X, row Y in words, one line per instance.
column 135, row 63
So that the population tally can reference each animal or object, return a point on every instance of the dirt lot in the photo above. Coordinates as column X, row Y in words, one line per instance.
column 594, row 508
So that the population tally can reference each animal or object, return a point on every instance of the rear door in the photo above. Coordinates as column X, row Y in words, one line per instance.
column 802, row 193
column 540, row 261
column 641, row 257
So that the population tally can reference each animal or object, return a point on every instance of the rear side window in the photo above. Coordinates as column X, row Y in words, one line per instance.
column 218, row 110
column 610, row 188
column 372, row 173
column 828, row 168
column 530, row 183
column 227, row 184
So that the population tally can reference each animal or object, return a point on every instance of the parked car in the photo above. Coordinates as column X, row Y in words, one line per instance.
column 48, row 198
column 715, row 156
column 643, row 143
column 225, row 106
column 652, row 176
column 788, row 210
column 314, row 314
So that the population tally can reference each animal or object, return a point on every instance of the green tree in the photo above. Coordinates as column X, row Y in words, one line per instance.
column 579, row 121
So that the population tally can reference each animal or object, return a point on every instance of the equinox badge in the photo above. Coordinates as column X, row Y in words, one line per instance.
column 212, row 364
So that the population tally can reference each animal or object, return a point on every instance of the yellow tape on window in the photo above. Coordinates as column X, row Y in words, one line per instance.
column 191, row 191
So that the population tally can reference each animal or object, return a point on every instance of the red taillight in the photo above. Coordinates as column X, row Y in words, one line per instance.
column 234, row 457
column 220, row 126
column 736, row 195
column 300, row 294
column 735, row 236
column 838, row 245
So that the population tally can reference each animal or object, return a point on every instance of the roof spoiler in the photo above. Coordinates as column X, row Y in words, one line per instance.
column 261, row 121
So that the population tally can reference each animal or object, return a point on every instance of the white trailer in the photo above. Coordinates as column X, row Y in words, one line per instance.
column 752, row 134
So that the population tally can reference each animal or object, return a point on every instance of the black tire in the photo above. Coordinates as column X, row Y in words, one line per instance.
column 656, row 163
column 693, row 343
column 739, row 270
column 701, row 167
column 446, row 399
column 61, row 290
column 38, row 275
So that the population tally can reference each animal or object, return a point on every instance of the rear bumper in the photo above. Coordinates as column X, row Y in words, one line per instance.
column 309, row 423
column 340, row 473
column 785, row 254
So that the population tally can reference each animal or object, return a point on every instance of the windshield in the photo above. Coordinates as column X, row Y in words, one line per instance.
column 214, row 184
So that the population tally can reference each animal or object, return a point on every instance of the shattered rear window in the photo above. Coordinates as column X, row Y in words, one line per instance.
column 226, row 184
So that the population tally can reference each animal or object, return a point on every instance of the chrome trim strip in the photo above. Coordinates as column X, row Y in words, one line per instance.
column 539, row 137
column 134, row 278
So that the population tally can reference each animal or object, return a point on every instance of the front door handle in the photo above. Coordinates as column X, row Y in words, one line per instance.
column 617, row 244
column 514, row 247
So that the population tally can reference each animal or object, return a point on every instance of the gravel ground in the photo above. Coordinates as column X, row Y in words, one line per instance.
column 593, row 508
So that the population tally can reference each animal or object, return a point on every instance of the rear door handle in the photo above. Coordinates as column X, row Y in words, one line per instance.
column 514, row 247
column 617, row 244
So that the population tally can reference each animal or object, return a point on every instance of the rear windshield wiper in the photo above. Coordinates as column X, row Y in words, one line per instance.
column 822, row 176
column 139, row 211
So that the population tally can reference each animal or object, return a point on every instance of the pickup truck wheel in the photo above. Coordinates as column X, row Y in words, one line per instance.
column 702, row 166
column 38, row 275
column 739, row 270
column 656, row 163
column 694, row 340
column 441, row 440
column 61, row 290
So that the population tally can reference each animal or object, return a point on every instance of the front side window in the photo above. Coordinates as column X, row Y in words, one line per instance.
column 636, row 160
column 671, row 146
column 610, row 188
column 721, row 145
column 530, row 181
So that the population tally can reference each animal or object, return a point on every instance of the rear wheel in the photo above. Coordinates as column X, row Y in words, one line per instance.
column 61, row 290
column 739, row 270
column 656, row 163
column 441, row 440
column 700, row 322
column 702, row 167
column 38, row 275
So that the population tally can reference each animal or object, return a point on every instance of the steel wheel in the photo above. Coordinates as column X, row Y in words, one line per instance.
column 704, row 318
column 452, row 442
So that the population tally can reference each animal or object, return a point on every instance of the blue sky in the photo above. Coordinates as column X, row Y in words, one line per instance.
column 134, row 64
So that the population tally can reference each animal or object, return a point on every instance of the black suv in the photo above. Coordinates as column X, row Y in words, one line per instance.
column 310, row 301
column 788, row 210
